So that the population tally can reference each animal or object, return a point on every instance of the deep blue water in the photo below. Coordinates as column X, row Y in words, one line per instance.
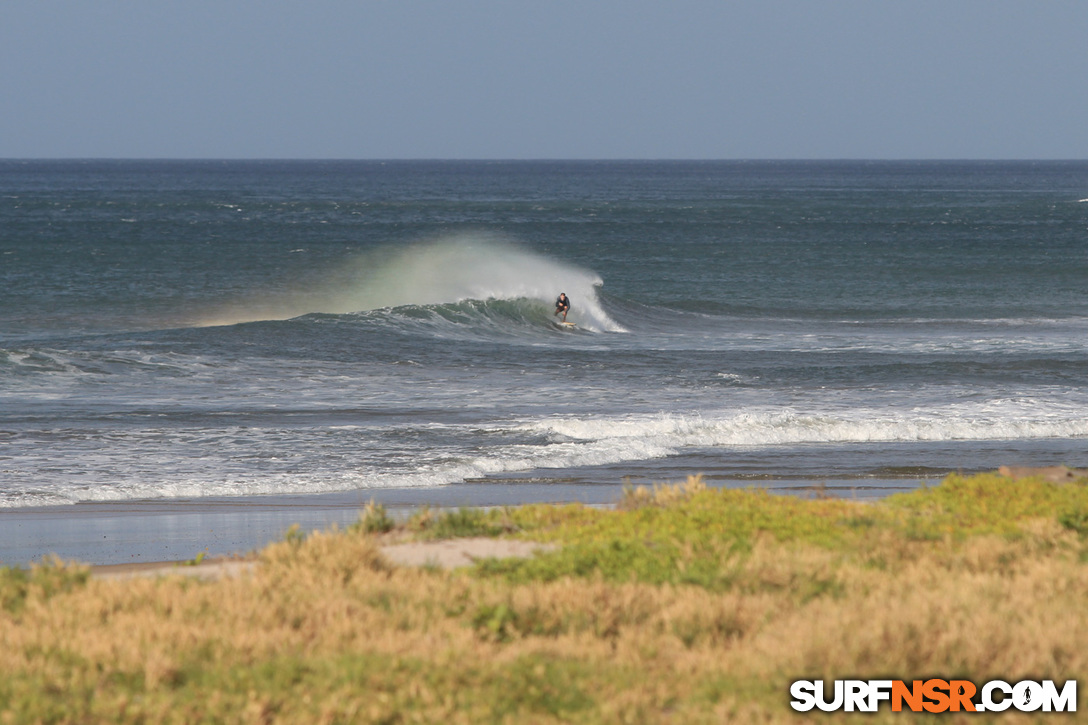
column 191, row 329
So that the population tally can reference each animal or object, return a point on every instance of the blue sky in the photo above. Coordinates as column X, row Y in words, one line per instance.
column 524, row 80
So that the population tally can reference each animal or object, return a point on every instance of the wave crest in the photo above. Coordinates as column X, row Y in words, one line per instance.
column 442, row 272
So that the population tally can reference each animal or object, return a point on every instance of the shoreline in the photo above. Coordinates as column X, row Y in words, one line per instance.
column 165, row 531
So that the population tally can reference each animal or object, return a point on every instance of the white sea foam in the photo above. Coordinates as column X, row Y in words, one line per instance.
column 423, row 474
column 152, row 463
column 672, row 432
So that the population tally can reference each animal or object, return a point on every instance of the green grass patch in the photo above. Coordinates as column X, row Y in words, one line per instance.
column 460, row 523
column 374, row 519
column 44, row 580
column 693, row 535
column 687, row 535
column 707, row 515
column 986, row 504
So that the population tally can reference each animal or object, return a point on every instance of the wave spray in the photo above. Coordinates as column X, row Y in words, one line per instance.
column 443, row 271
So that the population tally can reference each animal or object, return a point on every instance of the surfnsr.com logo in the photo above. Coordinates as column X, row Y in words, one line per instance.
column 934, row 695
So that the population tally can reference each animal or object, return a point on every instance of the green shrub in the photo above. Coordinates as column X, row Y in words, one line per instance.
column 374, row 519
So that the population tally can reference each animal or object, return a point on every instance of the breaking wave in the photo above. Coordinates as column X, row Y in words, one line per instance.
column 448, row 271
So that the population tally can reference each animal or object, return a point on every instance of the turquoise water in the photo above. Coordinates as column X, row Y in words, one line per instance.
column 207, row 329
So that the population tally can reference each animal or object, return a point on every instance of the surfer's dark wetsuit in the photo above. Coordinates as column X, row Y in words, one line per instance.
column 562, row 304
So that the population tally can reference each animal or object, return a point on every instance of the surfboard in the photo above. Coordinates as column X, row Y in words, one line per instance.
column 567, row 325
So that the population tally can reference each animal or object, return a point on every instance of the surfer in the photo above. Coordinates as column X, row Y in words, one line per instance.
column 562, row 304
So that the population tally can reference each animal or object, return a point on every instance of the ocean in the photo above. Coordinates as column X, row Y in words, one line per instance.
column 190, row 330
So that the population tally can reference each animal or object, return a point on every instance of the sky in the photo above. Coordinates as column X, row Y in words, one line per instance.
column 561, row 79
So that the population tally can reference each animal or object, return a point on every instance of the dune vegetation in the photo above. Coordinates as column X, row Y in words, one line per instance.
column 680, row 604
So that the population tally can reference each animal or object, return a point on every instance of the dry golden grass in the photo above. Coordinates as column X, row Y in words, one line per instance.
column 324, row 630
